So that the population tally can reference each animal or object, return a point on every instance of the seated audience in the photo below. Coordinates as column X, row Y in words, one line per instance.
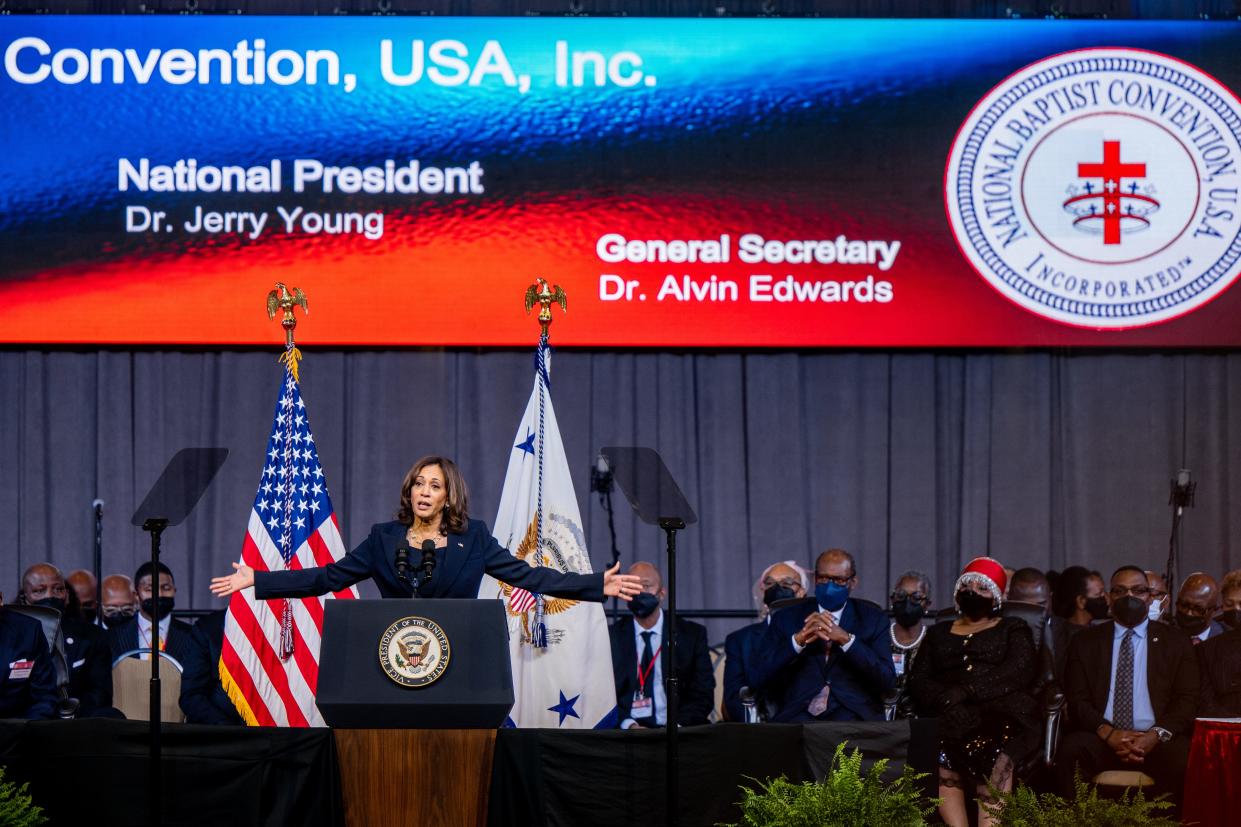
column 827, row 658
column 119, row 605
column 83, row 584
column 1196, row 604
column 779, row 584
column 640, row 661
column 1031, row 586
column 1159, row 595
column 27, row 680
column 1219, row 675
column 909, row 602
column 975, row 675
column 1079, row 597
column 174, row 635
column 87, row 654
column 203, row 699
column 1132, row 688
column 1230, row 600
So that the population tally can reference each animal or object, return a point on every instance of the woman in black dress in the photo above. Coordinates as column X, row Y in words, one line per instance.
column 975, row 674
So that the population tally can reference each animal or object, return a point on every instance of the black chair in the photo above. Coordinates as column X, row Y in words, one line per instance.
column 49, row 619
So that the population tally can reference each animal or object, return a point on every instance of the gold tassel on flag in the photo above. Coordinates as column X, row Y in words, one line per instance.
column 282, row 299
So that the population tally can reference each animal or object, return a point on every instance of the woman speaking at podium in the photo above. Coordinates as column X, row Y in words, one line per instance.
column 433, row 514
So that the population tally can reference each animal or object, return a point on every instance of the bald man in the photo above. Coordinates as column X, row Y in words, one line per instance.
column 119, row 602
column 1159, row 596
column 85, row 587
column 1196, row 604
column 87, row 653
column 1029, row 585
column 827, row 658
column 640, row 661
column 778, row 586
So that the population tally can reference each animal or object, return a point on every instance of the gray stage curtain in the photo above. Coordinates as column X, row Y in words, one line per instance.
column 911, row 460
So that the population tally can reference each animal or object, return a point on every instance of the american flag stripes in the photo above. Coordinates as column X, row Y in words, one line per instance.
column 270, row 660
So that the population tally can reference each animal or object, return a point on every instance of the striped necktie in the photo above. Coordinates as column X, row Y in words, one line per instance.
column 1122, row 705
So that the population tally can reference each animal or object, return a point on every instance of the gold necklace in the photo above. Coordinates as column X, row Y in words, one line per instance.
column 415, row 539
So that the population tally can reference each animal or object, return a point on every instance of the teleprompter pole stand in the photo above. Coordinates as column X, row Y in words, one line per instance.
column 671, row 525
column 156, row 526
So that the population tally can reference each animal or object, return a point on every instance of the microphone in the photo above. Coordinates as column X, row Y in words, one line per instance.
column 402, row 562
column 428, row 560
column 98, row 506
column 749, row 705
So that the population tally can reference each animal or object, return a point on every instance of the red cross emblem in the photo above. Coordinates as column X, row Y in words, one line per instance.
column 1112, row 171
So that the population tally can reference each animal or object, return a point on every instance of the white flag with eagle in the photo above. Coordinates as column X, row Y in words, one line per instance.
column 562, row 659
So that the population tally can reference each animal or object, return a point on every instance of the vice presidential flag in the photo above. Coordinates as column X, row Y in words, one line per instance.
column 562, row 660
column 270, row 661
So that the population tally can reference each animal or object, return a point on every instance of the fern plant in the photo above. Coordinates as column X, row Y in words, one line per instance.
column 847, row 797
column 16, row 807
column 1025, row 808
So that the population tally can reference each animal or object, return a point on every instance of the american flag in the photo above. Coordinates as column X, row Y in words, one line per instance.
column 270, row 661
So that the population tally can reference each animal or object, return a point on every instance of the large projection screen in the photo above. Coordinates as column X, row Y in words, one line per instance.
column 689, row 183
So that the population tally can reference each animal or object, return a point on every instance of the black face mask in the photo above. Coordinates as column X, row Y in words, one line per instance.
column 57, row 603
column 973, row 605
column 1190, row 624
column 117, row 618
column 907, row 612
column 1230, row 618
column 777, row 591
column 1129, row 611
column 160, row 609
column 1097, row 606
column 643, row 604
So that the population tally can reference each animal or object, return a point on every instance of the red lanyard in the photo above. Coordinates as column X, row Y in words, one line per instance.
column 650, row 667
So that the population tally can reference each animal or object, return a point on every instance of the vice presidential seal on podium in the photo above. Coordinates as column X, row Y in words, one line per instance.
column 414, row 651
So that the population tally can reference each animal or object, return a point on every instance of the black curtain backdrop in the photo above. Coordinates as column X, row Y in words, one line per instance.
column 910, row 460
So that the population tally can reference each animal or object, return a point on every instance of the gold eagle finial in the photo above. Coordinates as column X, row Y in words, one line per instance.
column 545, row 295
column 283, row 300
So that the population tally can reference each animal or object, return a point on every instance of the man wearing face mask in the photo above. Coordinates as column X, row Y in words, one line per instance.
column 1230, row 600
column 909, row 602
column 1196, row 604
column 118, row 600
column 86, row 646
column 1159, row 595
column 779, row 585
column 175, row 637
column 1132, row 691
column 827, row 658
column 83, row 584
column 1030, row 586
column 640, row 661
column 1080, row 597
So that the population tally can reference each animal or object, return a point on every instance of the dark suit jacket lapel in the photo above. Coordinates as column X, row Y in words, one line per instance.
column 1103, row 656
column 1157, row 667
column 389, row 539
column 451, row 560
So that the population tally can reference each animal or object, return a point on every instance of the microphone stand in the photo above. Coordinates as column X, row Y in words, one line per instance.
column 97, row 507
column 601, row 481
column 671, row 525
column 1180, row 497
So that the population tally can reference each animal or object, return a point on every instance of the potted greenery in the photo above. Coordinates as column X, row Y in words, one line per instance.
column 16, row 807
column 847, row 797
column 1025, row 808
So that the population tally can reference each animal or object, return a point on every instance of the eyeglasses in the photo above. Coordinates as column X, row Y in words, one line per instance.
column 917, row 597
column 1191, row 610
column 787, row 582
column 1136, row 591
column 115, row 614
column 827, row 578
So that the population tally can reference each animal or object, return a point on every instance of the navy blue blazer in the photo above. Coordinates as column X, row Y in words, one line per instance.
column 739, row 648
column 459, row 568
column 31, row 692
column 203, row 699
column 859, row 677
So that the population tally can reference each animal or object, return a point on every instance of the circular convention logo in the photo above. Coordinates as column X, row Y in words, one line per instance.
column 414, row 651
column 1099, row 188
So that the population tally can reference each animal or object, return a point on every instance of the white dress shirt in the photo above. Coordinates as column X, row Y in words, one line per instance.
column 660, row 698
column 1143, row 712
column 144, row 633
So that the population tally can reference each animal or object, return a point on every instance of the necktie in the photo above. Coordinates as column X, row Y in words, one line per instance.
column 1122, row 705
column 648, row 688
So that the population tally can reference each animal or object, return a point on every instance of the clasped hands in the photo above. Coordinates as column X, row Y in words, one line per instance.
column 821, row 626
column 1131, row 746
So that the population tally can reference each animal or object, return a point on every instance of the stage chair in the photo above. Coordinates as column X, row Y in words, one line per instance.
column 66, row 707
column 1113, row 782
column 131, row 687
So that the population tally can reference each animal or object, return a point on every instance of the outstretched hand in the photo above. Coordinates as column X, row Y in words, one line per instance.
column 624, row 586
column 241, row 578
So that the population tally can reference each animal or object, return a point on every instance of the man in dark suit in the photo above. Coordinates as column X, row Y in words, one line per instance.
column 640, row 661
column 87, row 653
column 203, row 699
column 27, row 680
column 780, row 584
column 827, row 658
column 1132, row 691
column 1196, row 604
column 1219, row 672
column 174, row 635
column 1029, row 585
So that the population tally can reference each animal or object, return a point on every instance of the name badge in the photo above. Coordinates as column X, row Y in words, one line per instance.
column 898, row 662
column 642, row 707
column 19, row 670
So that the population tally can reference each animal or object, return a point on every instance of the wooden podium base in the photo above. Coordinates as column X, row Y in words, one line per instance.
column 432, row 777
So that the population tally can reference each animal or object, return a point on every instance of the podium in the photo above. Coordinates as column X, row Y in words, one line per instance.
column 408, row 749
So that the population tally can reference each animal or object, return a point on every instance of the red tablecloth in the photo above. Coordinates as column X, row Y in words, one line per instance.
column 1213, row 778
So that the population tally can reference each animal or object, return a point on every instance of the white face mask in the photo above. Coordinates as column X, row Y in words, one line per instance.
column 1155, row 610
